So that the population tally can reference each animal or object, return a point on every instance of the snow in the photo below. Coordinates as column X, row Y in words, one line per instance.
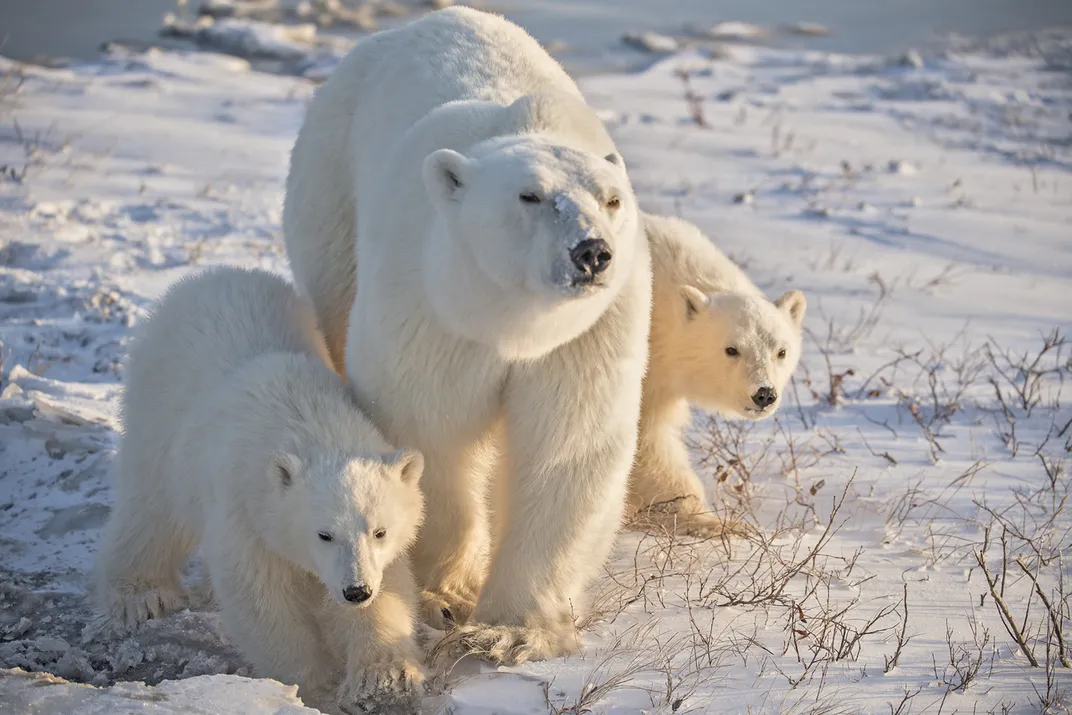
column 924, row 209
column 733, row 30
column 203, row 695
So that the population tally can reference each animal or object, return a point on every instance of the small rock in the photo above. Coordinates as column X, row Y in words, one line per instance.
column 747, row 198
column 809, row 29
column 651, row 42
column 897, row 166
column 911, row 59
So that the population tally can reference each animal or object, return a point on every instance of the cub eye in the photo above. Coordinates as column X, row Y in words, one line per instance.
column 732, row 352
column 380, row 533
column 781, row 354
column 325, row 536
column 530, row 198
column 614, row 204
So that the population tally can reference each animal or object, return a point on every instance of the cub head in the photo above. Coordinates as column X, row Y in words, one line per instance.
column 347, row 517
column 539, row 239
column 740, row 349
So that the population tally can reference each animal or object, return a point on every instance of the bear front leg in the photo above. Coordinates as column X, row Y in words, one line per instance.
column 665, row 494
column 571, row 428
column 450, row 554
column 382, row 672
column 268, row 610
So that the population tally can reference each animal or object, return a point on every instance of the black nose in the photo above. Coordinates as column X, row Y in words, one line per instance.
column 592, row 256
column 357, row 594
column 764, row 397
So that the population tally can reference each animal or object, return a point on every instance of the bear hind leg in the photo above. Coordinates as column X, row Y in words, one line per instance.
column 665, row 494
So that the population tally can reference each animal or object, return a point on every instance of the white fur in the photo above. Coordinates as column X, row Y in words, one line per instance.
column 702, row 304
column 470, row 337
column 238, row 436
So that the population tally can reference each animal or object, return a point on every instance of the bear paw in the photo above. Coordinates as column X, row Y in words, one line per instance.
column 699, row 524
column 444, row 612
column 708, row 526
column 507, row 645
column 127, row 607
column 392, row 688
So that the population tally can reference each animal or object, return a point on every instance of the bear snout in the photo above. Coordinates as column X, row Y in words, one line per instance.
column 764, row 397
column 357, row 594
column 591, row 256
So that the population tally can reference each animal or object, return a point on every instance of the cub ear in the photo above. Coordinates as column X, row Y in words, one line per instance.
column 285, row 468
column 794, row 304
column 409, row 462
column 445, row 173
column 615, row 158
column 695, row 301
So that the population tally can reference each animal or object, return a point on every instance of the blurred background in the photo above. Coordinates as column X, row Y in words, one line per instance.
column 586, row 34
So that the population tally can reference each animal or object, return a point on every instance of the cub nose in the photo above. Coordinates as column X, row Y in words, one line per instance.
column 591, row 256
column 764, row 397
column 357, row 594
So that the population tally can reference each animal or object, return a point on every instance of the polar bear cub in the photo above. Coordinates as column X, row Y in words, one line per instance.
column 240, row 438
column 716, row 341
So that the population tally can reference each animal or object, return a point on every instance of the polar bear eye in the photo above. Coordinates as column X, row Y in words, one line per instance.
column 380, row 533
column 781, row 354
column 732, row 352
column 614, row 204
column 529, row 198
column 325, row 536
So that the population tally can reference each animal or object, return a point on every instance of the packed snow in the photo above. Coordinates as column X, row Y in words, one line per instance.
column 911, row 495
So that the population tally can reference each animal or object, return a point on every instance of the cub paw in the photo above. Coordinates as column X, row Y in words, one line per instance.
column 445, row 612
column 128, row 606
column 392, row 688
column 684, row 518
column 506, row 645
column 708, row 526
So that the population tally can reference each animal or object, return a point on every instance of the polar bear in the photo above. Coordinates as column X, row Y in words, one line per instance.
column 501, row 311
column 716, row 341
column 240, row 437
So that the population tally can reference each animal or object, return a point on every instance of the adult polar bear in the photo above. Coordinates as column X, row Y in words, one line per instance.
column 502, row 308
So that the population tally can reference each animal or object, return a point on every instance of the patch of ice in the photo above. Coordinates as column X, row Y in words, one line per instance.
column 45, row 694
column 254, row 39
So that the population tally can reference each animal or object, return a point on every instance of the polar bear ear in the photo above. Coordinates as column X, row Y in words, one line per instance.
column 615, row 158
column 445, row 174
column 410, row 464
column 285, row 468
column 794, row 304
column 695, row 301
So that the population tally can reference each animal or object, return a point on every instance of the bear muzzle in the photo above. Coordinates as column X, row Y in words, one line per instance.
column 357, row 594
column 591, row 257
column 765, row 397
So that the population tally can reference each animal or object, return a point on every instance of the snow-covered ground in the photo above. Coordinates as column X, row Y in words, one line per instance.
column 924, row 204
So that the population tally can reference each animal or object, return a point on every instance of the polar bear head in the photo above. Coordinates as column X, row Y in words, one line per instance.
column 536, row 238
column 347, row 517
column 738, row 350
